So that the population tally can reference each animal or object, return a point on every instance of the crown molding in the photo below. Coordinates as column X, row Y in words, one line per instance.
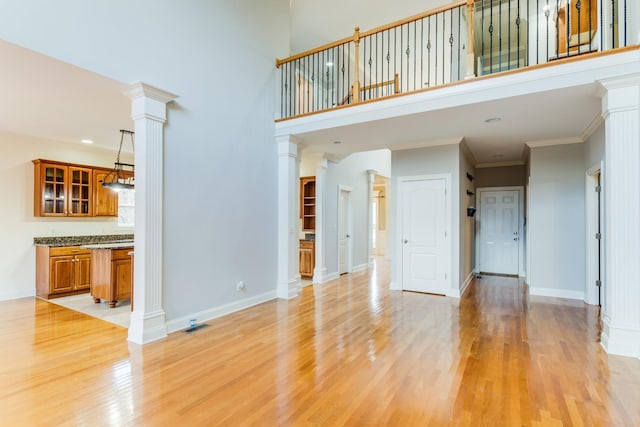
column 550, row 142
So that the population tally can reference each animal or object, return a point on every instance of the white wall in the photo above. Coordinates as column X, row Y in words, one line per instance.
column 351, row 172
column 503, row 176
column 19, row 226
column 557, row 221
column 220, row 155
column 315, row 23
column 427, row 161
column 594, row 148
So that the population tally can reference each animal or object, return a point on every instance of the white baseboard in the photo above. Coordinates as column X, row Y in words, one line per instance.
column 557, row 293
column 5, row 296
column 467, row 282
column 622, row 341
column 331, row 276
column 359, row 268
column 213, row 313
column 395, row 286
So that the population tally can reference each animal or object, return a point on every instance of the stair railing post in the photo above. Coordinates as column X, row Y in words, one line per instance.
column 471, row 60
column 356, row 67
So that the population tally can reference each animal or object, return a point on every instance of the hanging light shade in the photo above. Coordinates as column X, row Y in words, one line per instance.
column 122, row 176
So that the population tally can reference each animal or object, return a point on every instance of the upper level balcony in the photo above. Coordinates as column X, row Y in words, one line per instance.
column 456, row 44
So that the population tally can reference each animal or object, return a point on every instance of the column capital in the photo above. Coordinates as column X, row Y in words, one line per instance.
column 619, row 94
column 149, row 101
column 287, row 146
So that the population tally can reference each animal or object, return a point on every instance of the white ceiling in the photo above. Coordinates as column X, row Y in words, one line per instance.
column 52, row 100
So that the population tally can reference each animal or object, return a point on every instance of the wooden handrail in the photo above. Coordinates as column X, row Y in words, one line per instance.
column 349, row 39
column 414, row 18
column 279, row 62
column 395, row 81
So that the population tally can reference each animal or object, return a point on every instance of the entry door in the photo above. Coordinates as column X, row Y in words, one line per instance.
column 344, row 236
column 424, row 236
column 499, row 239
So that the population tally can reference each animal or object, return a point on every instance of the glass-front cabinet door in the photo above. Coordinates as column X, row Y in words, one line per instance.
column 62, row 190
column 79, row 191
column 54, row 194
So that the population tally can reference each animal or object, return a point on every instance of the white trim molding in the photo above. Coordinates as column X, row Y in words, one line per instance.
column 182, row 322
column 557, row 293
column 551, row 142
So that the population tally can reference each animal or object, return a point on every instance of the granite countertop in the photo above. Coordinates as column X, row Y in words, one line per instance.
column 113, row 245
column 59, row 241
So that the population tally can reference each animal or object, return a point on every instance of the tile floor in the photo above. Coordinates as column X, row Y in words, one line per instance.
column 84, row 303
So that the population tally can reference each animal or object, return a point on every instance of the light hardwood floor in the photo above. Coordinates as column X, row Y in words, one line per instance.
column 350, row 352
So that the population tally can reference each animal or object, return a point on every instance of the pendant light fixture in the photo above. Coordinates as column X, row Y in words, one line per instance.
column 122, row 175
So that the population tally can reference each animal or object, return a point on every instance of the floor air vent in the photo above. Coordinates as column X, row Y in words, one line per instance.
column 195, row 328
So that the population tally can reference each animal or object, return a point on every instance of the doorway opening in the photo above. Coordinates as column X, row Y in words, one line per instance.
column 500, row 231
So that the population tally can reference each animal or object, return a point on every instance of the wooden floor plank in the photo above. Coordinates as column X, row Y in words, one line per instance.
column 349, row 352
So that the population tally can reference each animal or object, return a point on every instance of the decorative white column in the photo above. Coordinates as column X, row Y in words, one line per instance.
column 149, row 112
column 320, row 269
column 621, row 308
column 288, row 237
column 371, row 176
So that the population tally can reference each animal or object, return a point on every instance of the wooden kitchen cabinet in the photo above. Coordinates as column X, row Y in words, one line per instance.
column 66, row 189
column 111, row 277
column 62, row 189
column 307, row 258
column 62, row 271
column 308, row 202
column 105, row 200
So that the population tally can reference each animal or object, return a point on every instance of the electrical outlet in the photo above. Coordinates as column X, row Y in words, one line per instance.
column 240, row 286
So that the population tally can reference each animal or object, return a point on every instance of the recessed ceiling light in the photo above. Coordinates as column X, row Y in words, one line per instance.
column 337, row 142
column 329, row 64
column 493, row 120
column 87, row 141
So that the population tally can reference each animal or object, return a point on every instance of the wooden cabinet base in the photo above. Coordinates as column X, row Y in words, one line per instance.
column 307, row 258
column 111, row 275
column 62, row 271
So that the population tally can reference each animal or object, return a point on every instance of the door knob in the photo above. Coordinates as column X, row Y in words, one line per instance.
column 406, row 241
column 515, row 238
column 348, row 236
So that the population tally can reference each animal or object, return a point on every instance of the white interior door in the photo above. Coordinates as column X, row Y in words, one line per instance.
column 424, row 236
column 344, row 231
column 499, row 235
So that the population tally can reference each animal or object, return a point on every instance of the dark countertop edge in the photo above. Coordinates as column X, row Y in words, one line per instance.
column 59, row 241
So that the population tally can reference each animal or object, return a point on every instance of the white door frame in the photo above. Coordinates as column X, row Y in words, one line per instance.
column 521, row 238
column 591, row 291
column 349, row 229
column 448, row 226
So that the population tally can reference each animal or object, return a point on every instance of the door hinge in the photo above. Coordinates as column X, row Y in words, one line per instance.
column 599, row 283
column 445, row 276
column 598, row 188
column 598, row 236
